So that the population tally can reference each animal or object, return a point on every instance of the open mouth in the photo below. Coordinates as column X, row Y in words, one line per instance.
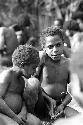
column 55, row 56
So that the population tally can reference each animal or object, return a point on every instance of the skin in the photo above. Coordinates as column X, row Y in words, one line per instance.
column 12, row 103
column 8, row 43
column 55, row 74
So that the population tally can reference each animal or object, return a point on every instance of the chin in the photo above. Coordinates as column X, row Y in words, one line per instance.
column 56, row 58
column 26, row 76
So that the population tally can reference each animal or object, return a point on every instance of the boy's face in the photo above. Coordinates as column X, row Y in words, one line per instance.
column 54, row 47
column 29, row 70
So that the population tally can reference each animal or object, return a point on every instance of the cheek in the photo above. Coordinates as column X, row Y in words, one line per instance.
column 48, row 51
column 31, row 72
column 61, row 49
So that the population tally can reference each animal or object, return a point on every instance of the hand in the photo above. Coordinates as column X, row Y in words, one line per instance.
column 52, row 107
column 59, row 110
column 21, row 115
column 20, row 121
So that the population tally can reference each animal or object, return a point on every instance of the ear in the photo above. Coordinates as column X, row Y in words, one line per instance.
column 44, row 49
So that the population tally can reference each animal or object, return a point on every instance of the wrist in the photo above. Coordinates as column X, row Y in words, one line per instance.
column 16, row 119
column 63, row 105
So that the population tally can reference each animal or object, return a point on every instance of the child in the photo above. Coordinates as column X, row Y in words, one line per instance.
column 25, row 59
column 53, row 71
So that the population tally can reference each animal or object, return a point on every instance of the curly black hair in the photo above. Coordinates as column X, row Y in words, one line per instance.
column 51, row 31
column 25, row 54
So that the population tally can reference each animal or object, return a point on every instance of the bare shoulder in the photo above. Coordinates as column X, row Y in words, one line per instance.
column 41, row 54
column 4, row 81
column 5, row 75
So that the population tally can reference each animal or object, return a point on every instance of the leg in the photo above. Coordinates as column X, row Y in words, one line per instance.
column 33, row 120
column 69, row 112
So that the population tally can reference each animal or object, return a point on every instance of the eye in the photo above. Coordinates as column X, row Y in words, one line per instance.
column 34, row 67
column 50, row 46
column 58, row 44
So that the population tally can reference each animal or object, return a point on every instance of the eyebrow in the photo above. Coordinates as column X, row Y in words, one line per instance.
column 58, row 42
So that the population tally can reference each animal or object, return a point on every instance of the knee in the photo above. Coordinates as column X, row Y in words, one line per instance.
column 33, row 120
column 69, row 112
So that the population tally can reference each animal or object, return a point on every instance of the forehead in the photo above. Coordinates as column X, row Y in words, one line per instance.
column 53, row 40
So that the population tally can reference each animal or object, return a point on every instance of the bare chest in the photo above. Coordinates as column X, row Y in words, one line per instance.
column 52, row 74
column 17, row 85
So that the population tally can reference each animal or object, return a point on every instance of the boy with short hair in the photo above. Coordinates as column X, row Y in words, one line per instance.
column 53, row 71
column 12, row 83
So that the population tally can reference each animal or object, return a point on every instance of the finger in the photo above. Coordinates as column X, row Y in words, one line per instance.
column 24, row 120
column 59, row 114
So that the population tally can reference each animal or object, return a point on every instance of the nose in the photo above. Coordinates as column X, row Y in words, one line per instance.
column 55, row 49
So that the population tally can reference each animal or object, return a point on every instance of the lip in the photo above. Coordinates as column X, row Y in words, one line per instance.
column 55, row 55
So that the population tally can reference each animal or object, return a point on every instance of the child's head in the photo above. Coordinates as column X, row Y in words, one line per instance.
column 76, row 68
column 52, row 40
column 26, row 58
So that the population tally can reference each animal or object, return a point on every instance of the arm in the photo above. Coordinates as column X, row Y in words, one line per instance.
column 66, row 100
column 4, row 85
column 46, row 96
column 59, row 110
column 68, row 97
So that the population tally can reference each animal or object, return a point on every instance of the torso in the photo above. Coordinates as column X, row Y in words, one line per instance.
column 14, row 94
column 54, row 78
